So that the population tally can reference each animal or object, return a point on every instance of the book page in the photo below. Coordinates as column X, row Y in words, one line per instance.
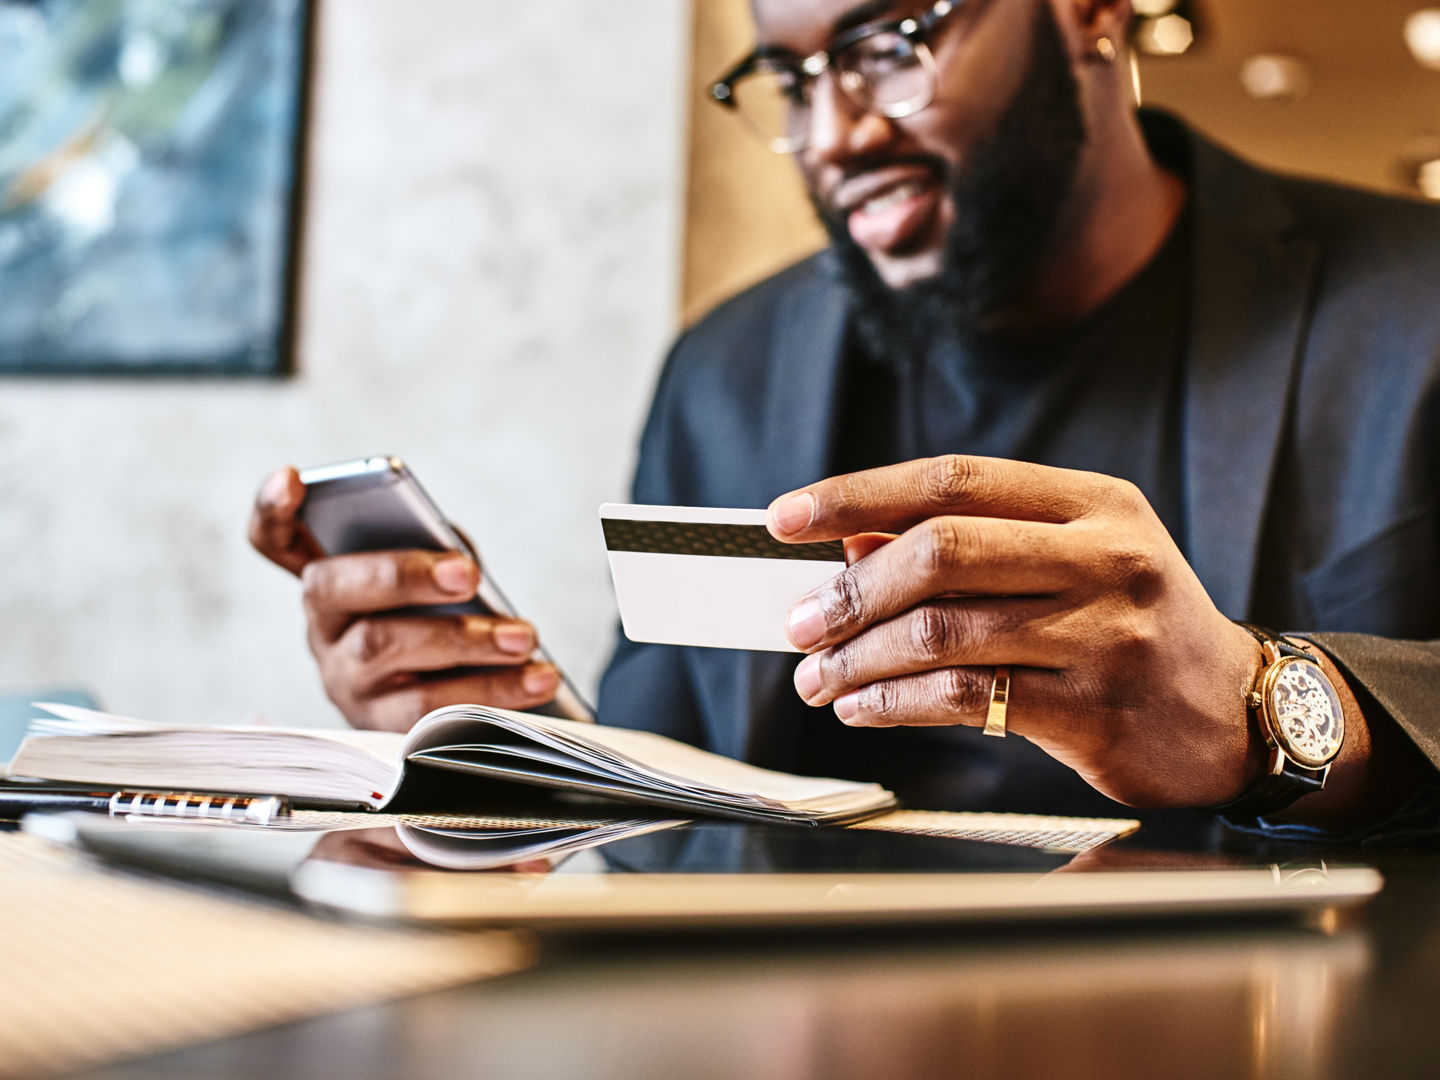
column 75, row 720
column 86, row 746
column 646, row 755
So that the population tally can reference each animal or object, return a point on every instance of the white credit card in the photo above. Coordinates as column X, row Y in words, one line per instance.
column 695, row 575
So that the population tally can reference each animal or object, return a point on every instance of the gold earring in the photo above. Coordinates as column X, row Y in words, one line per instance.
column 1106, row 48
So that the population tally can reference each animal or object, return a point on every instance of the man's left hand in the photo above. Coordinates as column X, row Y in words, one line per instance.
column 1121, row 666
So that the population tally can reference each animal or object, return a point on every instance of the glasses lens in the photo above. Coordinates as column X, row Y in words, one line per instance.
column 884, row 72
column 775, row 105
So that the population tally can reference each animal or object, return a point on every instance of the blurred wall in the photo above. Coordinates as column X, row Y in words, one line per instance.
column 489, row 283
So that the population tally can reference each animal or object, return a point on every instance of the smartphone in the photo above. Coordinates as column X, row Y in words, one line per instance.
column 376, row 504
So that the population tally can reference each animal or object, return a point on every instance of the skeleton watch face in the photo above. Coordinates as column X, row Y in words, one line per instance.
column 1304, row 711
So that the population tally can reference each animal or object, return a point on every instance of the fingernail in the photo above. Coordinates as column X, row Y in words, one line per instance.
column 806, row 624
column 807, row 677
column 540, row 679
column 794, row 512
column 515, row 638
column 275, row 490
column 455, row 576
column 847, row 705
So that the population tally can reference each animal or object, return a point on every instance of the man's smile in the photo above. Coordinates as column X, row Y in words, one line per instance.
column 892, row 209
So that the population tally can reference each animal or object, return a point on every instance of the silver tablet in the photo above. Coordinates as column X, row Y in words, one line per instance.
column 654, row 874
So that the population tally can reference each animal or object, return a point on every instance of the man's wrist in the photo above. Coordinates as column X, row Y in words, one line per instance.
column 1253, row 766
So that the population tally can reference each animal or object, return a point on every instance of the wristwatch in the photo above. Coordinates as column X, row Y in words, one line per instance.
column 1300, row 718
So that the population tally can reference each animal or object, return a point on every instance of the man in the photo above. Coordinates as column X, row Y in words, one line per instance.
column 1106, row 387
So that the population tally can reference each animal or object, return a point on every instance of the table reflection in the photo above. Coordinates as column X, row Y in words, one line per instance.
column 666, row 846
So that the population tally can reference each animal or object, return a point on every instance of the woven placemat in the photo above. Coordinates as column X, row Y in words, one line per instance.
column 1061, row 834
column 99, row 965
column 1043, row 831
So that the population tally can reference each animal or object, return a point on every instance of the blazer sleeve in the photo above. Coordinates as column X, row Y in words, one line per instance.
column 1402, row 677
column 648, row 686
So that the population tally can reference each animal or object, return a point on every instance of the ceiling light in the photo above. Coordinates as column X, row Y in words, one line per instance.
column 1274, row 77
column 1422, row 34
column 1153, row 9
column 1169, row 35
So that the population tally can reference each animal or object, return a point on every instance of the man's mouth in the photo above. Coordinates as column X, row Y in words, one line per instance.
column 891, row 210
column 893, row 197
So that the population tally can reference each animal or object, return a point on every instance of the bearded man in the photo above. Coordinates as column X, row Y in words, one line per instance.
column 1086, row 388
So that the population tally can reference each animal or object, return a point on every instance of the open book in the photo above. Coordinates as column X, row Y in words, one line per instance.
column 365, row 768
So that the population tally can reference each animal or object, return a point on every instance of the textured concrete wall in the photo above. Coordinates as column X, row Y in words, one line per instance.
column 489, row 285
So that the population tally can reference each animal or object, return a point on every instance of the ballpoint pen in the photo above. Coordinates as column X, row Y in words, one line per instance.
column 15, row 802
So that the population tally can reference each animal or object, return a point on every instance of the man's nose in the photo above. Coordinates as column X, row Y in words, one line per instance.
column 840, row 129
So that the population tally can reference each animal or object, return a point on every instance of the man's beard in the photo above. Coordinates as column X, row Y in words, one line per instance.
column 1008, row 198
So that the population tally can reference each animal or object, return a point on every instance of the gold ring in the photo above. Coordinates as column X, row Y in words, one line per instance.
column 999, row 699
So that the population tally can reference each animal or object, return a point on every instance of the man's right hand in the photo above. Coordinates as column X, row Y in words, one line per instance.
column 384, row 670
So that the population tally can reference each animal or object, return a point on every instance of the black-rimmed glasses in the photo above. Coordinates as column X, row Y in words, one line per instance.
column 883, row 67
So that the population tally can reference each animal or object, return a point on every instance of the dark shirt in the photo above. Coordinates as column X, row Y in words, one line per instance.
column 1103, row 396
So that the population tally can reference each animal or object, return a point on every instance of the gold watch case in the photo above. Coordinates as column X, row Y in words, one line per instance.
column 1299, row 710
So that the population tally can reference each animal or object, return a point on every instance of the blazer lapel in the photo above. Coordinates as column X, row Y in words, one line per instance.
column 1251, row 291
column 802, row 401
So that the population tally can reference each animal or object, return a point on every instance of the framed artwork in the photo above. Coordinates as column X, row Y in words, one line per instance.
column 150, row 156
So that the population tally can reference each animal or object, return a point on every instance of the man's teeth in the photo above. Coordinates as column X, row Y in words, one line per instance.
column 892, row 197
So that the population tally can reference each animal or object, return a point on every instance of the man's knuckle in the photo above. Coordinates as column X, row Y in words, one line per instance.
column 950, row 478
column 847, row 494
column 932, row 632
column 954, row 540
column 1133, row 637
column 882, row 699
column 946, row 543
column 370, row 640
column 1124, row 496
column 846, row 599
column 1138, row 568
column 386, row 575
column 842, row 666
column 1131, row 493
column 1132, row 558
column 964, row 690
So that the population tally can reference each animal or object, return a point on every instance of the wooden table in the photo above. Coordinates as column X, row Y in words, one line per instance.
column 1359, row 997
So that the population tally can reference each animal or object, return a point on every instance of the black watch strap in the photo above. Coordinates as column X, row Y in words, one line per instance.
column 1269, row 637
column 1275, row 792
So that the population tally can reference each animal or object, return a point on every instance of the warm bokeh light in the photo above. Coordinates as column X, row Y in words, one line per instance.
column 1275, row 77
column 1422, row 35
column 1169, row 35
